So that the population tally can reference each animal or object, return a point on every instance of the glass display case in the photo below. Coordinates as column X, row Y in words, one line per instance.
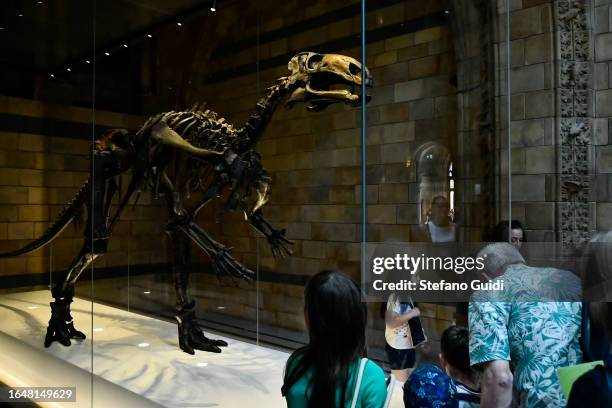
column 172, row 175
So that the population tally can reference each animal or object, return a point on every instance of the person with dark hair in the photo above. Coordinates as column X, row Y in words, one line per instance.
column 330, row 370
column 455, row 361
column 516, row 237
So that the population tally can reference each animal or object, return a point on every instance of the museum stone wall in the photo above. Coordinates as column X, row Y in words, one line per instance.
column 314, row 158
column 44, row 160
column 602, row 32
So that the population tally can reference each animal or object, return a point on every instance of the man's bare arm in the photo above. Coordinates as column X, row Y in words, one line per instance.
column 496, row 385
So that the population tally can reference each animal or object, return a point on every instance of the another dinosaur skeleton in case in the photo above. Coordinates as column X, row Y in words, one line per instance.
column 175, row 153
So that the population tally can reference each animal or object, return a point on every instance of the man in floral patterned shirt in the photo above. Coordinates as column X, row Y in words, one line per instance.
column 534, row 323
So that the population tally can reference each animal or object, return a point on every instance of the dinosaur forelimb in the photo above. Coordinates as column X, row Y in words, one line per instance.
column 222, row 262
column 279, row 244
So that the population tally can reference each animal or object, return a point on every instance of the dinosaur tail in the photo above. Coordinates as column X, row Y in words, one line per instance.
column 68, row 214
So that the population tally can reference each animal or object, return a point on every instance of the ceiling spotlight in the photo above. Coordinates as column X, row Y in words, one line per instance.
column 107, row 53
column 147, row 292
column 39, row 2
column 87, row 61
column 213, row 8
column 149, row 35
column 179, row 24
column 445, row 11
column 1, row 28
column 19, row 15
column 52, row 76
column 124, row 45
column 68, row 69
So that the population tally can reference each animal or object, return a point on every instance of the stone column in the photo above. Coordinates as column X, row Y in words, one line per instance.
column 574, row 121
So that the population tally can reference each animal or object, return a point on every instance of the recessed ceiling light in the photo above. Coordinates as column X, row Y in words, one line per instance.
column 213, row 8
column 68, row 69
column 39, row 2
column 143, row 344
column 149, row 35
column 446, row 11
column 107, row 54
column 147, row 292
column 19, row 15
column 179, row 24
column 124, row 45
column 52, row 76
column 87, row 61
column 1, row 28
column 220, row 307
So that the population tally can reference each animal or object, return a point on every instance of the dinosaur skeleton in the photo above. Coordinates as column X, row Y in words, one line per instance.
column 176, row 153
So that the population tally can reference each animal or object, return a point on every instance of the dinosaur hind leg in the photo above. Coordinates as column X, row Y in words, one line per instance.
column 103, row 188
column 61, row 325
column 191, row 335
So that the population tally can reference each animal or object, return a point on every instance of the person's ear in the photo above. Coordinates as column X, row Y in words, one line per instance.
column 443, row 362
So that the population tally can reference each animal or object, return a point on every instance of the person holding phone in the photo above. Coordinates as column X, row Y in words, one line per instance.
column 400, row 347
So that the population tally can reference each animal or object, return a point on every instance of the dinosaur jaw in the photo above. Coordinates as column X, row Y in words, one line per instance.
column 326, row 88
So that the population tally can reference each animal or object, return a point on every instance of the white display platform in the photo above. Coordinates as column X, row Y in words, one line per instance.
column 137, row 353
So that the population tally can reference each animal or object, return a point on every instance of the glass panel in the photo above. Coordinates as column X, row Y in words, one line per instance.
column 432, row 127
column 46, row 99
column 311, row 150
column 156, row 270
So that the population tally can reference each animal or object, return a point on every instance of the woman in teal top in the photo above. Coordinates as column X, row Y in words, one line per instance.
column 324, row 373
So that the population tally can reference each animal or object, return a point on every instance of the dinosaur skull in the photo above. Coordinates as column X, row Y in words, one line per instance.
column 324, row 79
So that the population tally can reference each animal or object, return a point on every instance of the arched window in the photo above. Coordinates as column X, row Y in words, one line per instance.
column 435, row 177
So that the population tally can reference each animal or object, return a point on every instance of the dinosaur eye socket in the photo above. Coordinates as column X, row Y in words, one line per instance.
column 313, row 61
column 354, row 69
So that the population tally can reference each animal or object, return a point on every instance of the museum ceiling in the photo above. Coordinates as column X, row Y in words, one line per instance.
column 42, row 35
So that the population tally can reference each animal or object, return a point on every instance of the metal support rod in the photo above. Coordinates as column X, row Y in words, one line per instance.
column 509, row 113
column 363, row 144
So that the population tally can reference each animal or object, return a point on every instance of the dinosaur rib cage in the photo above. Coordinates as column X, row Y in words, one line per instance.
column 203, row 129
column 206, row 130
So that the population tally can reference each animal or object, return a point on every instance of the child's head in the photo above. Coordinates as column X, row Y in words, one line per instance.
column 429, row 387
column 455, row 353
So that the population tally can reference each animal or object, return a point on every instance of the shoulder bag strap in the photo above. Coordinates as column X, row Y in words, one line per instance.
column 390, row 389
column 358, row 384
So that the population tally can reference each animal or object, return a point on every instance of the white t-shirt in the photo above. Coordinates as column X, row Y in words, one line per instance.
column 397, row 337
column 441, row 234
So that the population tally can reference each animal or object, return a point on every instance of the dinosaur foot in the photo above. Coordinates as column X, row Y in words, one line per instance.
column 191, row 336
column 61, row 326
